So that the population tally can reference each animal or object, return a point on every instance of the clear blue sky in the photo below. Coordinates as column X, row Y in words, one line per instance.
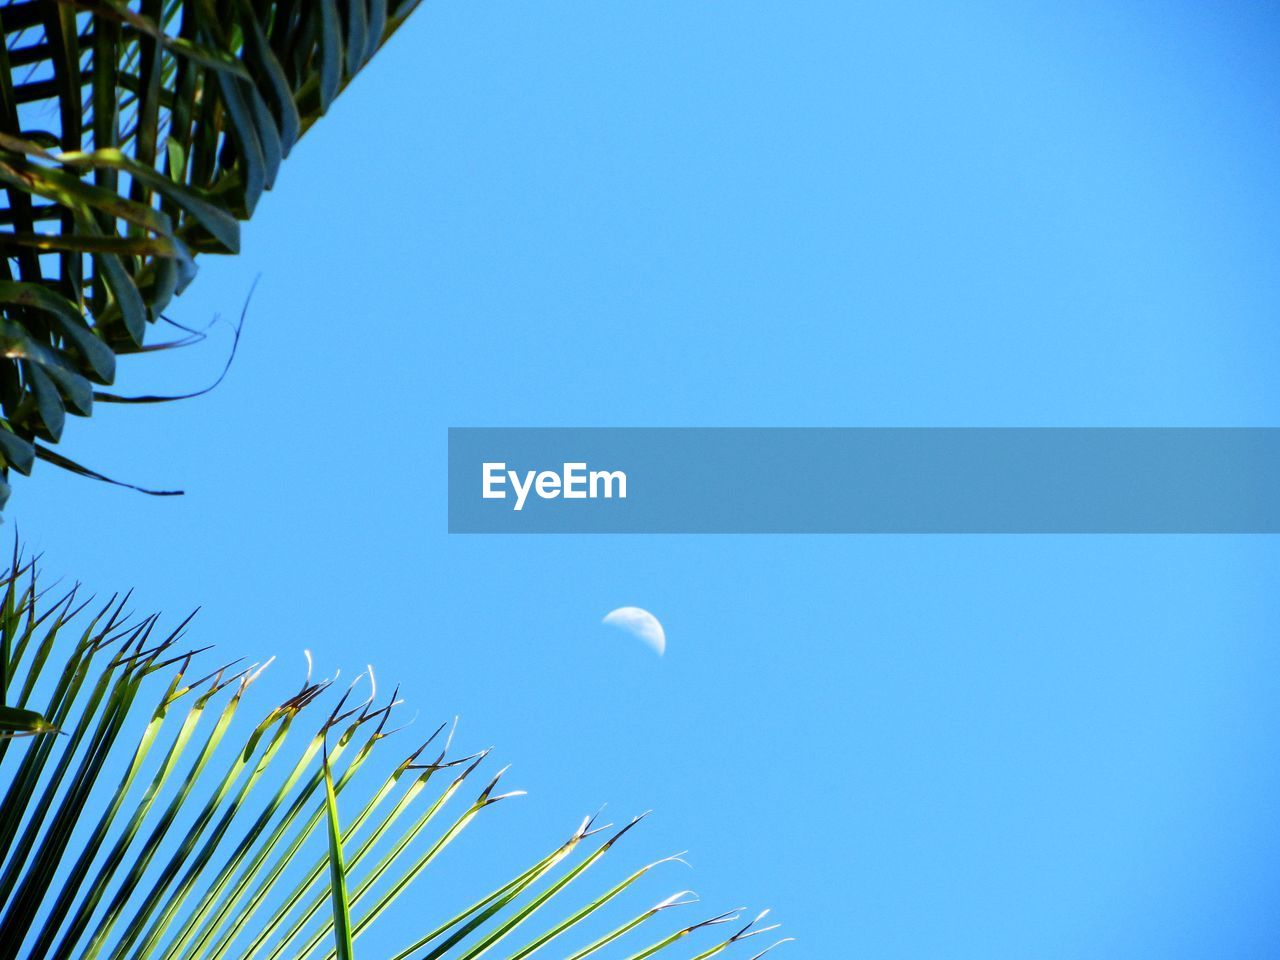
column 816, row 213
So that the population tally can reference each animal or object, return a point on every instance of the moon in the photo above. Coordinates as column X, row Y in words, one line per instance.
column 640, row 623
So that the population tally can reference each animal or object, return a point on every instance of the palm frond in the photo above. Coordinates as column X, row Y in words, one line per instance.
column 343, row 944
column 133, row 136
column 183, row 814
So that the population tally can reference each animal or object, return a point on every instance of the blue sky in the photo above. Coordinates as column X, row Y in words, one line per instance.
column 765, row 215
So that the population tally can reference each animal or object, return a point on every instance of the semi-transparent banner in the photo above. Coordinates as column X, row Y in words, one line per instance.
column 864, row 480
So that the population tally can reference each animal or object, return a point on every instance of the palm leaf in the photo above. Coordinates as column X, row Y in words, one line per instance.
column 134, row 136
column 22, row 723
column 184, row 814
column 337, row 872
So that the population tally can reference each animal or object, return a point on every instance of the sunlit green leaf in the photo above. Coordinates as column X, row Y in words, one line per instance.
column 337, row 872
column 169, row 820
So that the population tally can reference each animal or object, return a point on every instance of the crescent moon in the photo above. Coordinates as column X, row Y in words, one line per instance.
column 639, row 623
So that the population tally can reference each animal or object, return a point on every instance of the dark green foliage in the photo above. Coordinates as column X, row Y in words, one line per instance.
column 132, row 137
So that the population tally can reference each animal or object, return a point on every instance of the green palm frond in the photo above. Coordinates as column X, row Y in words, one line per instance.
column 133, row 136
column 179, row 815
